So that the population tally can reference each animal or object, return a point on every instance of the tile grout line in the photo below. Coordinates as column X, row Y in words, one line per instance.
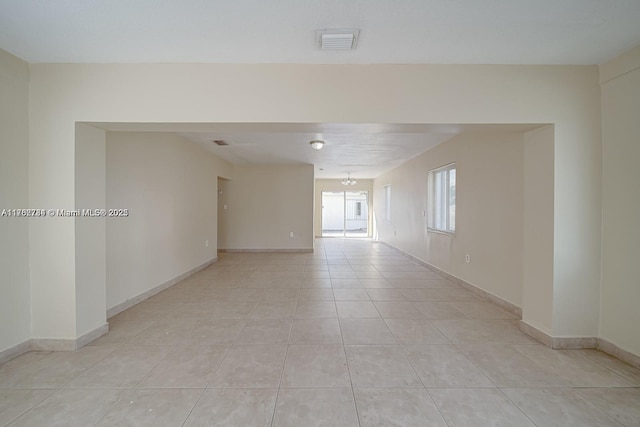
column 275, row 403
column 479, row 368
column 602, row 365
column 284, row 362
column 422, row 382
column 193, row 407
column 426, row 389
column 127, row 391
column 501, row 391
column 346, row 359
column 34, row 406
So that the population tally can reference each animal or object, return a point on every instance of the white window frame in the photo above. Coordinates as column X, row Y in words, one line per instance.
column 439, row 204
column 387, row 203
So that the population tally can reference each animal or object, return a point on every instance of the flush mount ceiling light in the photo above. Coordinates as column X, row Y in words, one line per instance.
column 316, row 144
column 344, row 39
column 349, row 181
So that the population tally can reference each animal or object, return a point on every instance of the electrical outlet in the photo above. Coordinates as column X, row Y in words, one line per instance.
column 206, row 243
column 291, row 234
column 467, row 258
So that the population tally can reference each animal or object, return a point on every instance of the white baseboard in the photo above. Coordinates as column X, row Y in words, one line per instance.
column 504, row 304
column 536, row 334
column 284, row 251
column 14, row 351
column 157, row 289
column 67, row 344
column 558, row 343
column 52, row 344
column 92, row 335
column 618, row 353
column 566, row 343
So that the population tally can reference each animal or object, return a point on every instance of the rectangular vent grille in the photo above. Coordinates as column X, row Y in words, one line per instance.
column 337, row 39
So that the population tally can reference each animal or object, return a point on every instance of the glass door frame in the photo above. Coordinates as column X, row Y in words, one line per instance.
column 344, row 232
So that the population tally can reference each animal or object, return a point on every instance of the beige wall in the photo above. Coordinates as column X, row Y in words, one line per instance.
column 566, row 96
column 489, row 211
column 335, row 185
column 620, row 317
column 169, row 185
column 265, row 203
column 15, row 311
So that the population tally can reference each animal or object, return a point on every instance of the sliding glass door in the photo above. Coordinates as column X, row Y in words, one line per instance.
column 345, row 214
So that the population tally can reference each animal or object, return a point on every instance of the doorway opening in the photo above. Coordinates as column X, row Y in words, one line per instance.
column 345, row 214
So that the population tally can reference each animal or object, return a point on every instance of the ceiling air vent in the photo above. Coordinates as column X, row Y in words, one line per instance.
column 337, row 39
column 219, row 142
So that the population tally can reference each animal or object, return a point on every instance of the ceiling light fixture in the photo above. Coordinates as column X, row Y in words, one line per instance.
column 317, row 144
column 349, row 181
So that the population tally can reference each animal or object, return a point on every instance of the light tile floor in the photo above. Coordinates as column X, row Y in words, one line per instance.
column 352, row 335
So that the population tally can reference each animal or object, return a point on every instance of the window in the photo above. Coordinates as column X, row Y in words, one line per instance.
column 442, row 199
column 387, row 202
column 354, row 207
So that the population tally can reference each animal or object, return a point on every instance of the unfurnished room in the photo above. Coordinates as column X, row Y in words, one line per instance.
column 331, row 213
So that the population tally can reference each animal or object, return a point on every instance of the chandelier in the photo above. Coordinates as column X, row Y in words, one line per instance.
column 349, row 181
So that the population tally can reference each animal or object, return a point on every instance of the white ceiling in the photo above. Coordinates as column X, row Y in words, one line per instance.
column 363, row 150
column 282, row 31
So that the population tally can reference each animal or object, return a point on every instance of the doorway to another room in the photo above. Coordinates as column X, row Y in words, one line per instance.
column 345, row 214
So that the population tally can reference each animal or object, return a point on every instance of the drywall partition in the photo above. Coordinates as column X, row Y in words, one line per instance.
column 537, row 251
column 620, row 317
column 489, row 211
column 265, row 204
column 223, row 206
column 567, row 96
column 168, row 185
column 15, row 313
column 90, row 232
column 336, row 185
